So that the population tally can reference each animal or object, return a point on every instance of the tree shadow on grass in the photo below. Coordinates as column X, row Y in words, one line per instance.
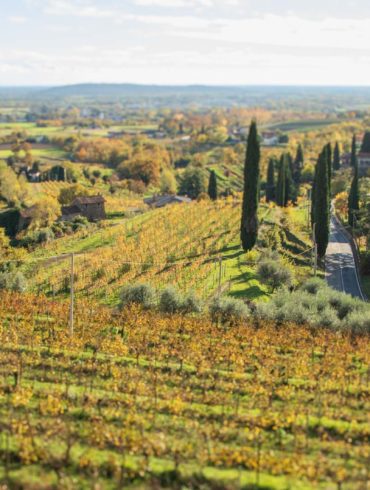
column 250, row 292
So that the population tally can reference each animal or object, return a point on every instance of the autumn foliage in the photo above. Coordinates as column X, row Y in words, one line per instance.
column 138, row 396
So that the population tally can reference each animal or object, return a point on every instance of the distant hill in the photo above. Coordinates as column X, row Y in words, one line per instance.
column 313, row 98
column 126, row 89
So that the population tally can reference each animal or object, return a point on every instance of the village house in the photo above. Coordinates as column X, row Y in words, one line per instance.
column 345, row 159
column 363, row 160
column 25, row 218
column 162, row 201
column 363, row 163
column 91, row 207
column 31, row 174
column 270, row 138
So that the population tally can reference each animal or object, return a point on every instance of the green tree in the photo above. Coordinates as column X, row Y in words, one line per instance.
column 212, row 186
column 336, row 160
column 68, row 194
column 249, row 222
column 353, row 152
column 270, row 186
column 298, row 165
column 290, row 188
column 354, row 197
column 192, row 182
column 168, row 183
column 322, row 204
column 329, row 156
column 365, row 147
column 313, row 197
column 281, row 182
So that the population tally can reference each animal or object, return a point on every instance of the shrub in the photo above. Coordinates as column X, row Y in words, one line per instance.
column 343, row 303
column 79, row 222
column 326, row 318
column 171, row 301
column 266, row 311
column 228, row 310
column 192, row 304
column 313, row 286
column 45, row 235
column 358, row 322
column 274, row 274
column 139, row 294
column 13, row 281
column 317, row 305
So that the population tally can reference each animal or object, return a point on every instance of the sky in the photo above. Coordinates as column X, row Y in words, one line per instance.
column 181, row 42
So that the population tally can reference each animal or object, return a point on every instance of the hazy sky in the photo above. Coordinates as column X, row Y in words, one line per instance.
column 57, row 42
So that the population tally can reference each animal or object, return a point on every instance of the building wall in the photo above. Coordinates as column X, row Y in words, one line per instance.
column 363, row 165
column 93, row 211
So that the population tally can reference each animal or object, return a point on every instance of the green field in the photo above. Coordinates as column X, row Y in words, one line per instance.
column 302, row 126
column 43, row 153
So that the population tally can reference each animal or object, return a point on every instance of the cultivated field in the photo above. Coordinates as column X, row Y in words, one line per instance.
column 135, row 400
column 178, row 245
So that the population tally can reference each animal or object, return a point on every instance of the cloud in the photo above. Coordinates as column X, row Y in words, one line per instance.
column 186, row 3
column 76, row 8
column 219, row 65
column 14, row 19
column 188, row 46
column 269, row 30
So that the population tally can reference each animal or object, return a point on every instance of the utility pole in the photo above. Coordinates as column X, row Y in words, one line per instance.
column 72, row 298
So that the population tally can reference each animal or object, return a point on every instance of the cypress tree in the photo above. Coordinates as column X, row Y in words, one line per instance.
column 365, row 147
column 281, row 182
column 290, row 163
column 336, row 160
column 212, row 186
column 249, row 222
column 322, row 204
column 270, row 186
column 290, row 188
column 313, row 197
column 353, row 197
column 353, row 152
column 298, row 166
column 329, row 156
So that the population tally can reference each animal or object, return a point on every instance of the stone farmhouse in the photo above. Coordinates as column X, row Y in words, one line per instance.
column 91, row 207
column 162, row 201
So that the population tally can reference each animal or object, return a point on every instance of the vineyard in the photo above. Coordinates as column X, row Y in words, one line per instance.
column 137, row 400
column 179, row 245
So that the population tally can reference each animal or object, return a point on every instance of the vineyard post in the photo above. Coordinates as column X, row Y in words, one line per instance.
column 71, row 308
column 308, row 207
column 219, row 275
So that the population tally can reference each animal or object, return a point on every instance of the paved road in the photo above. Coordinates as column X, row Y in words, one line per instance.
column 341, row 272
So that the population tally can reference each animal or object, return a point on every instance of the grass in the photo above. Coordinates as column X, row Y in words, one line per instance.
column 44, row 153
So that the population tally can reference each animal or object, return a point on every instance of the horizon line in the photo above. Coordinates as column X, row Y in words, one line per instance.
column 181, row 85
